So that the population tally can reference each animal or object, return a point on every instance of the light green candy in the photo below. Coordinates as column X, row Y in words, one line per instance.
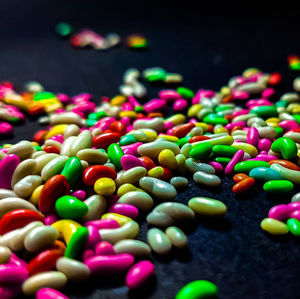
column 198, row 289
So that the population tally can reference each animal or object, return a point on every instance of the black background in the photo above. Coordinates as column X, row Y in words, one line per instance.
column 207, row 43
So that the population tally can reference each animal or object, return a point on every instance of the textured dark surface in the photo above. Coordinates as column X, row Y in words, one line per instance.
column 207, row 43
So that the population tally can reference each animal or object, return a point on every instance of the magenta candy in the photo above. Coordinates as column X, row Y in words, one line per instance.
column 155, row 105
column 50, row 219
column 280, row 212
column 133, row 101
column 104, row 248
column 288, row 125
column 180, row 105
column 240, row 95
column 124, row 209
column 294, row 206
column 127, row 107
column 295, row 214
column 139, row 273
column 87, row 253
column 80, row 194
column 267, row 93
column 6, row 128
column 16, row 261
column 238, row 157
column 109, row 264
column 10, row 291
column 240, row 112
column 131, row 149
column 259, row 102
column 65, row 99
column 169, row 94
column 12, row 273
column 217, row 166
column 82, row 97
column 264, row 144
column 237, row 123
column 59, row 138
column 252, row 136
column 48, row 293
column 168, row 125
column 265, row 157
column 94, row 237
column 130, row 161
column 7, row 167
column 125, row 121
column 103, row 223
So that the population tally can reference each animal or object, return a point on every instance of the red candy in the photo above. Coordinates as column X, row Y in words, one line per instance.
column 93, row 173
column 243, row 186
column 182, row 130
column 51, row 149
column 54, row 188
column 39, row 136
column 18, row 219
column 275, row 79
column 168, row 174
column 117, row 127
column 148, row 163
column 105, row 139
column 198, row 138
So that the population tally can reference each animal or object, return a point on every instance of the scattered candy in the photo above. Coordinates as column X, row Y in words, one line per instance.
column 136, row 41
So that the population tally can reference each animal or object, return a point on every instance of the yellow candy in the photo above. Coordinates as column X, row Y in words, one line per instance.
column 35, row 196
column 130, row 114
column 203, row 126
column 156, row 172
column 66, row 228
column 58, row 129
column 34, row 143
column 121, row 219
column 273, row 121
column 177, row 119
column 105, row 186
column 7, row 145
column 167, row 158
column 296, row 110
column 220, row 129
column 168, row 138
column 125, row 188
column 225, row 91
column 16, row 100
column 181, row 163
column 274, row 227
column 248, row 148
column 194, row 110
column 151, row 135
column 118, row 100
column 250, row 72
column 139, row 135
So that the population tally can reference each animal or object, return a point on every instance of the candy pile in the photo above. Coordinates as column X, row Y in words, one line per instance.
column 72, row 199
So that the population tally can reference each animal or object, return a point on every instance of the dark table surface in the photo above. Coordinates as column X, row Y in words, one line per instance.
column 207, row 43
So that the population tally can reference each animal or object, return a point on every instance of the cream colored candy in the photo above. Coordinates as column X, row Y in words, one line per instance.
column 96, row 207
column 51, row 142
column 65, row 118
column 155, row 123
column 40, row 238
column 152, row 149
column 25, row 168
column 141, row 200
column 114, row 235
column 66, row 147
column 207, row 206
column 14, row 203
column 158, row 241
column 49, row 279
column 176, row 236
column 26, row 186
column 73, row 269
column 53, row 167
column 5, row 254
column 23, row 149
column 82, row 141
column 43, row 160
column 135, row 247
column 133, row 175
column 4, row 193
column 204, row 178
column 92, row 156
column 71, row 130
column 158, row 188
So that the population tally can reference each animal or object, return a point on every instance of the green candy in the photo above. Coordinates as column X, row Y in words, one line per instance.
column 265, row 111
column 63, row 29
column 294, row 226
column 279, row 131
column 201, row 151
column 69, row 207
column 182, row 141
column 186, row 93
column 77, row 243
column 198, row 289
column 139, row 109
column 127, row 139
column 224, row 150
column 297, row 118
column 222, row 160
column 90, row 122
column 222, row 108
column 72, row 170
column 154, row 74
column 97, row 115
column 246, row 166
column 215, row 119
column 279, row 186
column 286, row 146
column 44, row 95
column 38, row 148
column 282, row 104
column 115, row 153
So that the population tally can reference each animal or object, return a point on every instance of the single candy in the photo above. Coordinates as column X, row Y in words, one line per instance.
column 280, row 212
column 281, row 186
column 274, row 227
column 207, row 206
column 201, row 151
column 135, row 247
column 294, row 226
column 12, row 274
column 48, row 293
column 72, row 170
column 176, row 236
column 7, row 167
column 158, row 241
column 264, row 174
column 286, row 146
column 243, row 185
column 211, row 180
column 105, row 186
column 198, row 289
column 73, row 269
column 247, row 166
column 141, row 200
column 93, row 173
column 115, row 153
column 77, row 243
column 69, row 207
column 139, row 273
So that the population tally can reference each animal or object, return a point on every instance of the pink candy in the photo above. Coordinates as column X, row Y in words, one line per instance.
column 12, row 273
column 103, row 223
column 7, row 167
column 124, row 209
column 104, row 248
column 288, row 125
column 94, row 236
column 180, row 104
column 155, row 105
column 139, row 273
column 48, row 293
column 109, row 264
column 252, row 136
column 280, row 212
column 238, row 157
column 169, row 94
column 6, row 128
column 130, row 161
